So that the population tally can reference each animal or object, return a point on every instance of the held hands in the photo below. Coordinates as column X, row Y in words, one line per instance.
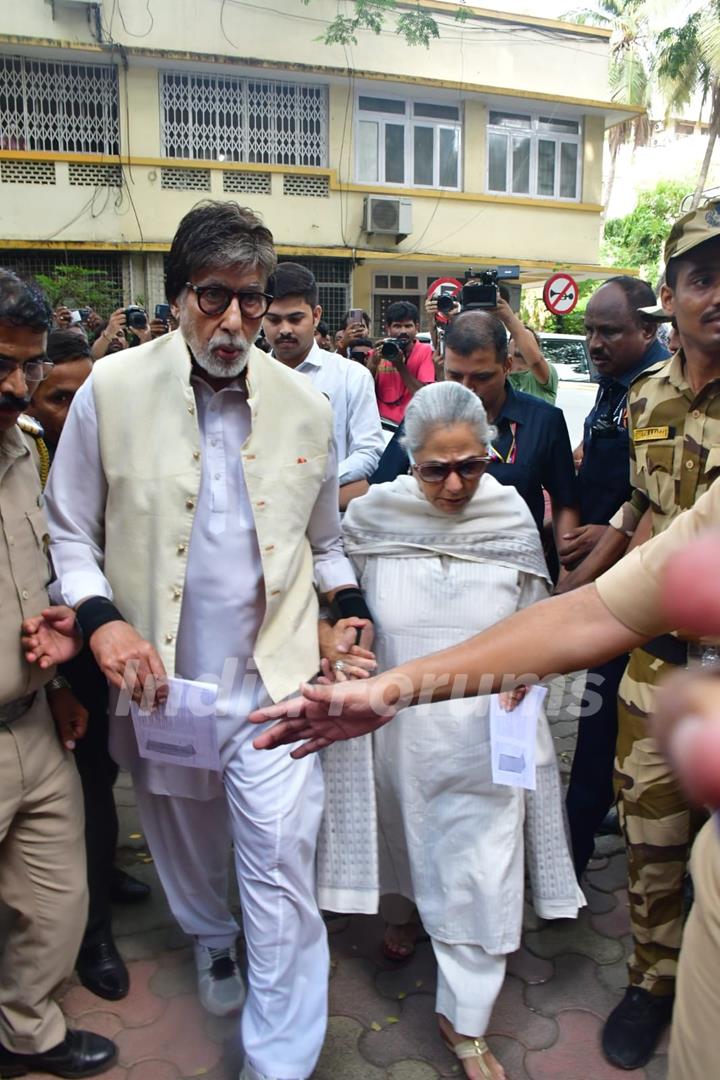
column 337, row 646
column 70, row 717
column 51, row 638
column 578, row 543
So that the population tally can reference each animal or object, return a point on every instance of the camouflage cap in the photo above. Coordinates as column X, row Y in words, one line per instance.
column 656, row 312
column 693, row 229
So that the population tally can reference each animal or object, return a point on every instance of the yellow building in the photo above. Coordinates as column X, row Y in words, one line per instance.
column 380, row 166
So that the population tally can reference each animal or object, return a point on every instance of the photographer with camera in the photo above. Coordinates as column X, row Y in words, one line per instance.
column 405, row 364
column 126, row 322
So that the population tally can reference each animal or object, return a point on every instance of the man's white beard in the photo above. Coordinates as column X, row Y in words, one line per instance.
column 205, row 357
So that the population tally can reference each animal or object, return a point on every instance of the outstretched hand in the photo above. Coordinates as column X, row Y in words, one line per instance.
column 324, row 715
column 52, row 637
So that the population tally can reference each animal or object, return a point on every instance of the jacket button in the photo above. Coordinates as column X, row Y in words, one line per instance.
column 169, row 638
column 182, row 548
column 177, row 593
column 260, row 504
column 25, row 594
column 270, row 547
column 191, row 409
column 690, row 464
column 196, row 455
column 249, row 457
column 275, row 592
column 190, row 504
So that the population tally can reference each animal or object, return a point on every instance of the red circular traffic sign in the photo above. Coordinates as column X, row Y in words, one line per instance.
column 560, row 294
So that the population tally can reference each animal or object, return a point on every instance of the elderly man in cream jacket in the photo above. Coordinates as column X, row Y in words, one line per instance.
column 194, row 494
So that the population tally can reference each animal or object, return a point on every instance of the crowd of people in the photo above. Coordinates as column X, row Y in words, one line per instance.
column 229, row 493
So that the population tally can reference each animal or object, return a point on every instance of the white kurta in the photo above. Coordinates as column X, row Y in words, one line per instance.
column 450, row 839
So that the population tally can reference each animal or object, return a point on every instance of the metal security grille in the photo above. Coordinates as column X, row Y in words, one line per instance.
column 247, row 183
column 224, row 118
column 95, row 175
column 333, row 278
column 300, row 184
column 30, row 263
column 27, row 172
column 48, row 105
column 185, row 179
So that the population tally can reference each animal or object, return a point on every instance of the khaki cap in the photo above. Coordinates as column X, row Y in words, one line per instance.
column 693, row 229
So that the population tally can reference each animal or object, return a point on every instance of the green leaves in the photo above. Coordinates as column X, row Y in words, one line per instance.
column 637, row 239
column 416, row 26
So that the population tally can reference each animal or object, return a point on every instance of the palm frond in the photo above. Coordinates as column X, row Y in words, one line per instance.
column 708, row 37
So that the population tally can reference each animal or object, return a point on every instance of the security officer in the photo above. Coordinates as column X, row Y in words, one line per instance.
column 623, row 343
column 42, row 870
column 674, row 420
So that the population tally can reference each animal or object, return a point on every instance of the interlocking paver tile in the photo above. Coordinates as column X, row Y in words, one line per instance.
column 341, row 1055
column 576, row 1055
column 353, row 992
column 615, row 923
column 404, row 978
column 511, row 1055
column 144, row 945
column 412, row 1070
column 598, row 902
column 512, row 1017
column 575, row 985
column 153, row 1070
column 415, row 1036
column 612, row 877
column 531, row 969
column 140, row 1007
column 362, row 937
column 176, row 975
column 608, row 845
column 573, row 936
column 178, row 1037
column 614, row 976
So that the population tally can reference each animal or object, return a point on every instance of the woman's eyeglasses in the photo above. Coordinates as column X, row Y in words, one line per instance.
column 215, row 299
column 434, row 472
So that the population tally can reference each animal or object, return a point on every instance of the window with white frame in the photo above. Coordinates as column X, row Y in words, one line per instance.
column 58, row 106
column 258, row 121
column 410, row 143
column 534, row 155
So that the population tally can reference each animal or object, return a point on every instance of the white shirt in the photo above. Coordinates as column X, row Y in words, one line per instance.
column 356, row 421
column 223, row 600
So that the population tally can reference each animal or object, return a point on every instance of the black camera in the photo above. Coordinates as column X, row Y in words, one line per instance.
column 393, row 347
column 446, row 304
column 136, row 317
column 480, row 291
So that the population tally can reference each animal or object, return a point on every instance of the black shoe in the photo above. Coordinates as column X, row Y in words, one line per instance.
column 633, row 1028
column 81, row 1053
column 102, row 970
column 126, row 889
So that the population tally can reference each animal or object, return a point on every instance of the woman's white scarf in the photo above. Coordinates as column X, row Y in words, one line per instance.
column 496, row 526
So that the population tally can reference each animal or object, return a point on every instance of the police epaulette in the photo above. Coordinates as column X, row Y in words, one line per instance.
column 30, row 426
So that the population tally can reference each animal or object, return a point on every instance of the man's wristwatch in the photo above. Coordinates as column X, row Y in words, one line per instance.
column 58, row 682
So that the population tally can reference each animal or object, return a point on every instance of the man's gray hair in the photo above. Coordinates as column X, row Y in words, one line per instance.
column 441, row 405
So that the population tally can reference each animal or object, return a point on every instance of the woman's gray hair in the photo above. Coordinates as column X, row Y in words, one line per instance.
column 441, row 405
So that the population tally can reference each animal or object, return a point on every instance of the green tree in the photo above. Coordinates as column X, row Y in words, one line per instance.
column 687, row 60
column 416, row 26
column 636, row 240
column 77, row 286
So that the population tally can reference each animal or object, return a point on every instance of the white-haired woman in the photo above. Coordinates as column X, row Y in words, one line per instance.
column 441, row 555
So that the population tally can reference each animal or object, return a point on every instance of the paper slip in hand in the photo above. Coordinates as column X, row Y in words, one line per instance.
column 183, row 730
column 513, row 739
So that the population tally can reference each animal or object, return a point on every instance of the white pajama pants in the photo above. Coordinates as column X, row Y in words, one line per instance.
column 271, row 812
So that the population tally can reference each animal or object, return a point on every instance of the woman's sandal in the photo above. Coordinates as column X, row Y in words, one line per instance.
column 470, row 1048
column 401, row 952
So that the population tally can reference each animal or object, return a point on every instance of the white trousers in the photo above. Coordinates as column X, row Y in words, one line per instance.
column 271, row 812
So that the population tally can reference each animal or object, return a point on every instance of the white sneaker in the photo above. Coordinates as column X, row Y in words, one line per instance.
column 220, row 985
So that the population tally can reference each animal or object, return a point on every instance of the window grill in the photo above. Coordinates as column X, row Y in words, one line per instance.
column 225, row 118
column 30, row 263
column 27, row 172
column 333, row 278
column 312, row 186
column 246, row 183
column 94, row 175
column 62, row 107
column 185, row 179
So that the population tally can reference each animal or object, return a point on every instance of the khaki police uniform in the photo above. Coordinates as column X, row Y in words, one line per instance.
column 42, row 857
column 631, row 590
column 675, row 456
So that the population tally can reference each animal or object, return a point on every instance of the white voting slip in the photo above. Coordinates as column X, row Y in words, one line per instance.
column 182, row 731
column 513, row 739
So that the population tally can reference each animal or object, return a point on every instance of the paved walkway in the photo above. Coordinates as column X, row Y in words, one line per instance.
column 546, row 1026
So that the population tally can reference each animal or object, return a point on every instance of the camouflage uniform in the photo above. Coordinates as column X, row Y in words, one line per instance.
column 674, row 457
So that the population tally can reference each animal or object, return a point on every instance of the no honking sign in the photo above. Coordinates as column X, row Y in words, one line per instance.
column 560, row 294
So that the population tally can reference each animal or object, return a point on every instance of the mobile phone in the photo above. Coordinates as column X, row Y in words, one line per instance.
column 75, row 318
column 356, row 316
column 162, row 311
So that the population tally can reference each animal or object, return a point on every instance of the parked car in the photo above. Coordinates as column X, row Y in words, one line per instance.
column 569, row 353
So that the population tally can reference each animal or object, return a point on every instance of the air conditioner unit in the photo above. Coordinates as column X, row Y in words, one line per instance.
column 388, row 216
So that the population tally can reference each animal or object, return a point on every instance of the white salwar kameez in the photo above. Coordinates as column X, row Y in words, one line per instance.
column 450, row 840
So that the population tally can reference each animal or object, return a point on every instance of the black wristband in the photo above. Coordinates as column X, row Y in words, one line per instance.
column 94, row 613
column 349, row 603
